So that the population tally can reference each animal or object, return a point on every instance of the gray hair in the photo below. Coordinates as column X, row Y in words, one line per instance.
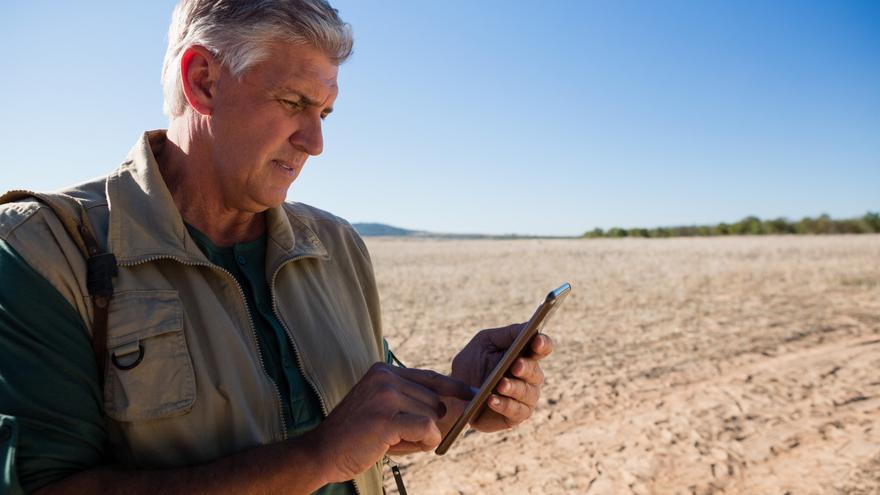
column 237, row 32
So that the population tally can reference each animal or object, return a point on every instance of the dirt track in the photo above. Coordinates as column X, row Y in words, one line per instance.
column 720, row 365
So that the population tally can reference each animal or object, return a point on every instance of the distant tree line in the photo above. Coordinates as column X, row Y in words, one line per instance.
column 867, row 224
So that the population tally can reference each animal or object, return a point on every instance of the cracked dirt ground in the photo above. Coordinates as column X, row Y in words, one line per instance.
column 717, row 365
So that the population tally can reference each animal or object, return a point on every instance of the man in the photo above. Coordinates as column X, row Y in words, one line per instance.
column 244, row 348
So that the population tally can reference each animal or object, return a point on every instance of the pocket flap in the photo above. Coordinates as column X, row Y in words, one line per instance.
column 137, row 315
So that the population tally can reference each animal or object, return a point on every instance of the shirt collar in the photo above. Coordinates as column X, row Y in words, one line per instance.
column 145, row 224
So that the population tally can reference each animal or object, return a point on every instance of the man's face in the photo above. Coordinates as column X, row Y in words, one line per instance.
column 265, row 125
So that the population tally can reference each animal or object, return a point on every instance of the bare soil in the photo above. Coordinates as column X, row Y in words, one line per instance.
column 713, row 365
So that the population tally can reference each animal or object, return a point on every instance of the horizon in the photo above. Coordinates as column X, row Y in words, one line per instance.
column 505, row 119
column 586, row 233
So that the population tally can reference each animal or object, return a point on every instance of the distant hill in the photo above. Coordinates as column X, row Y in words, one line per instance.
column 375, row 229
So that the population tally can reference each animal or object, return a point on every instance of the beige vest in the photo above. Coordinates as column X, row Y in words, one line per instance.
column 199, row 391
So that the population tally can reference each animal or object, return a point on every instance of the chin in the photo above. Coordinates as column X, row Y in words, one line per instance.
column 261, row 203
column 274, row 200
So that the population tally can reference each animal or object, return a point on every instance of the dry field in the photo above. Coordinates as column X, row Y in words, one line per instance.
column 717, row 365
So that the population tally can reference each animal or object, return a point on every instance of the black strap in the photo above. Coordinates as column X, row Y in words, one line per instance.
column 101, row 266
column 398, row 480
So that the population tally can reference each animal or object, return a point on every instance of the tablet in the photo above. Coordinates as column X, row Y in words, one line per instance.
column 478, row 403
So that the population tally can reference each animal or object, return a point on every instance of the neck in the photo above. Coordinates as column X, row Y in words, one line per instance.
column 197, row 192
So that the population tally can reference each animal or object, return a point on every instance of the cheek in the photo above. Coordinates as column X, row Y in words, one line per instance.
column 244, row 146
column 229, row 156
column 266, row 139
column 238, row 149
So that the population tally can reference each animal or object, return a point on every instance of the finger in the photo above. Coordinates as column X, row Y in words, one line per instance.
column 397, row 392
column 416, row 429
column 514, row 412
column 519, row 390
column 454, row 408
column 408, row 405
column 501, row 338
column 423, row 395
column 542, row 346
column 404, row 447
column 529, row 370
column 436, row 382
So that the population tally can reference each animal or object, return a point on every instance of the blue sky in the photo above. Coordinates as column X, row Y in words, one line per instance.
column 505, row 116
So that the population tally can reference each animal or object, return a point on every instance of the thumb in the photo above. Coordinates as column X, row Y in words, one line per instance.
column 501, row 338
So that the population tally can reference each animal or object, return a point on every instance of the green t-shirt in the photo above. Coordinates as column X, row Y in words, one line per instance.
column 46, row 362
column 50, row 401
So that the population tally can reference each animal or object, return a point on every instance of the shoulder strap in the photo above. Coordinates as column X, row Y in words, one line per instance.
column 100, row 265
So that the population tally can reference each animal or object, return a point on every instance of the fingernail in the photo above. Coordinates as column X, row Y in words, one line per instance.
column 495, row 401
column 441, row 410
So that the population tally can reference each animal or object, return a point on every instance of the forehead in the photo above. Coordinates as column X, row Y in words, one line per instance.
column 298, row 68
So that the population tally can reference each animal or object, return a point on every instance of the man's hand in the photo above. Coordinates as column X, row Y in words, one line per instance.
column 515, row 397
column 391, row 410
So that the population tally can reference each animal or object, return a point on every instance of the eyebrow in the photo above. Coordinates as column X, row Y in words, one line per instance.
column 308, row 101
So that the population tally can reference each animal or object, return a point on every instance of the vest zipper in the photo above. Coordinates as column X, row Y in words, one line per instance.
column 290, row 334
column 299, row 364
column 254, row 332
column 250, row 320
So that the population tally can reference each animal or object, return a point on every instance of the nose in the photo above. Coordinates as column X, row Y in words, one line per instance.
column 308, row 136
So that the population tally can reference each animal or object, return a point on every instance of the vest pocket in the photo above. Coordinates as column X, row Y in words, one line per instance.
column 149, row 370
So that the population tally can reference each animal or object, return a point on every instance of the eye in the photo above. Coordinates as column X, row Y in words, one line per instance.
column 292, row 105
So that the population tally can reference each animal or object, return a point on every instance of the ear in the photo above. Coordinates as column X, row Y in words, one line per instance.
column 199, row 71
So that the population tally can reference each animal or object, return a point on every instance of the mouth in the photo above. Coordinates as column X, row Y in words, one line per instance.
column 286, row 167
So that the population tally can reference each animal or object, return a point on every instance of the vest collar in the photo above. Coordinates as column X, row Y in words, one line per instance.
column 145, row 224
